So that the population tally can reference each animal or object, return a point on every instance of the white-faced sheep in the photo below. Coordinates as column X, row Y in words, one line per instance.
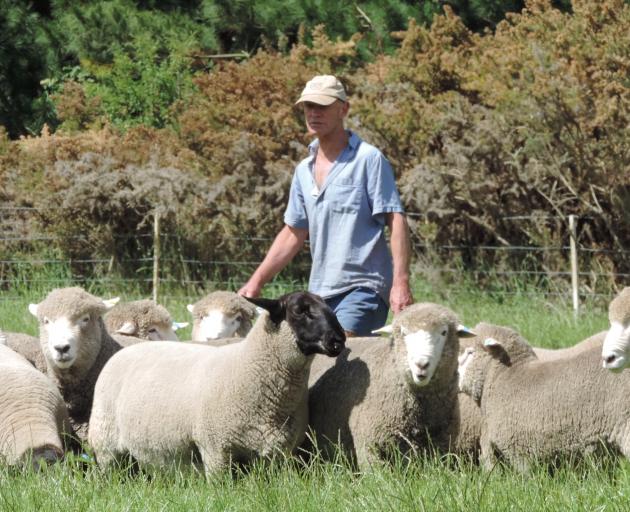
column 76, row 346
column 167, row 403
column 616, row 349
column 221, row 314
column 389, row 393
column 466, row 428
column 543, row 410
column 33, row 416
column 141, row 319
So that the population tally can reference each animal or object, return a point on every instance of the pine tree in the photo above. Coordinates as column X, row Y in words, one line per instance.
column 26, row 57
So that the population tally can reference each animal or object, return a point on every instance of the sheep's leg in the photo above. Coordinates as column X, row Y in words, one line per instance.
column 213, row 460
column 487, row 456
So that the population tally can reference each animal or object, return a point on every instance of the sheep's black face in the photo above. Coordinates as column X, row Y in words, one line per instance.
column 315, row 325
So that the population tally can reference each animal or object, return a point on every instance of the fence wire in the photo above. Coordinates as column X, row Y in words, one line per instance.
column 25, row 267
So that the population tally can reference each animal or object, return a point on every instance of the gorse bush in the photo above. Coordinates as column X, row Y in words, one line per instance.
column 530, row 120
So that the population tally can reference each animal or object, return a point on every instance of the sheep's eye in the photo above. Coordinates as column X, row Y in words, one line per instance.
column 444, row 332
column 84, row 320
column 238, row 318
column 46, row 321
column 152, row 330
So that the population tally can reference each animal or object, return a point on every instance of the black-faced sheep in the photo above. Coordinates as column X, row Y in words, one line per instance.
column 171, row 403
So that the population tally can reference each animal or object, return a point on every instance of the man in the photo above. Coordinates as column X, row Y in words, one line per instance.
column 341, row 198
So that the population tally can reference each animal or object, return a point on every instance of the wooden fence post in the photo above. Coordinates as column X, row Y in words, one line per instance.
column 156, row 254
column 574, row 265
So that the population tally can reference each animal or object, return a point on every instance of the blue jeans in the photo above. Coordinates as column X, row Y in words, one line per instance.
column 359, row 310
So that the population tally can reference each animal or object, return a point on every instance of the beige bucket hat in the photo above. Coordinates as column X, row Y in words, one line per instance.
column 323, row 90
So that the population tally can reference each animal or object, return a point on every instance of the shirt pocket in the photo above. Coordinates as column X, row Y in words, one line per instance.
column 345, row 197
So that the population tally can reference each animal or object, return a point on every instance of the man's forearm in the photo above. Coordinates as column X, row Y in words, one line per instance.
column 400, row 245
column 400, row 296
column 285, row 246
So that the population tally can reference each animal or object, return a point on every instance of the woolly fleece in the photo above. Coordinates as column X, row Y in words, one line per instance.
column 366, row 399
column 33, row 417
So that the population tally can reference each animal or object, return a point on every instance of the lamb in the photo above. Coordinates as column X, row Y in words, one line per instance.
column 142, row 319
column 33, row 416
column 76, row 346
column 221, row 314
column 383, row 393
column 165, row 403
column 540, row 411
column 616, row 349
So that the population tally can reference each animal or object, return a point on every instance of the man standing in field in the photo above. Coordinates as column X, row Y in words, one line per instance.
column 341, row 198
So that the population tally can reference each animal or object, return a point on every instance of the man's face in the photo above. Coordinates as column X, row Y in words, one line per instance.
column 322, row 120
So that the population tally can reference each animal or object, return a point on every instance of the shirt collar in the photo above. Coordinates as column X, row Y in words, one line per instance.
column 353, row 142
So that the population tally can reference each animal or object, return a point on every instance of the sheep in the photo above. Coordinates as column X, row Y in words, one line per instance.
column 76, row 346
column 548, row 354
column 33, row 416
column 466, row 427
column 616, row 349
column 142, row 319
column 540, row 411
column 27, row 346
column 166, row 403
column 383, row 393
column 221, row 314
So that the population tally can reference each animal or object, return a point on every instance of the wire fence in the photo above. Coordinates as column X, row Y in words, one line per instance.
column 568, row 270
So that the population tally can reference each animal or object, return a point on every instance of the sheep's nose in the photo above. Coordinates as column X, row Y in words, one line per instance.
column 62, row 349
column 423, row 364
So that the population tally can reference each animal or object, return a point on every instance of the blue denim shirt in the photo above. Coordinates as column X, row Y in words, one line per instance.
column 345, row 219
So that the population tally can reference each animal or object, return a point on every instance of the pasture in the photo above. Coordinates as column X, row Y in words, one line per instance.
column 433, row 484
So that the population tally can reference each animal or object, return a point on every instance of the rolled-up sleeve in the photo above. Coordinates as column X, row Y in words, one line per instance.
column 381, row 188
column 295, row 214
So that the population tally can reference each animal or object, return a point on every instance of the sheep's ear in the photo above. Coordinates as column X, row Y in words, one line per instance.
column 110, row 303
column 128, row 328
column 179, row 325
column 387, row 329
column 465, row 332
column 33, row 309
column 190, row 307
column 493, row 346
column 496, row 349
column 276, row 308
column 491, row 342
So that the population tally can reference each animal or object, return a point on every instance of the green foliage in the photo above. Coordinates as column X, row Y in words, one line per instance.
column 246, row 24
column 141, row 88
column 27, row 55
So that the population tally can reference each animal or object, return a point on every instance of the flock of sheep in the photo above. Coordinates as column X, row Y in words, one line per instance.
column 267, row 376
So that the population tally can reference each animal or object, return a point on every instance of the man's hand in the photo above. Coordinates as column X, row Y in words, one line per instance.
column 286, row 245
column 400, row 297
column 250, row 290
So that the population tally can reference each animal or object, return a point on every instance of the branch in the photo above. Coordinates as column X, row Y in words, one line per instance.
column 487, row 227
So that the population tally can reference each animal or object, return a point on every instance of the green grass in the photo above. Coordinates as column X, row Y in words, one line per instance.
column 433, row 484
column 430, row 484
